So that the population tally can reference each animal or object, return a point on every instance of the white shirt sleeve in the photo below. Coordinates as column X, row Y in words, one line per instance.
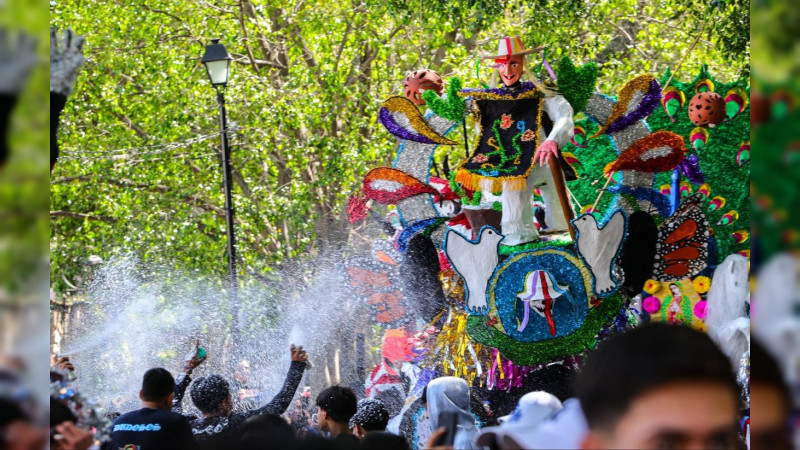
column 560, row 112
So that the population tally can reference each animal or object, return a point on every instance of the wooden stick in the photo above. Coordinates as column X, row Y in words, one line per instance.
column 602, row 192
column 705, row 22
column 561, row 189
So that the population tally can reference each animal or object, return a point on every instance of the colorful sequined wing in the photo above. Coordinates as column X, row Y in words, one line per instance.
column 402, row 118
column 657, row 152
column 388, row 186
column 636, row 100
column 682, row 249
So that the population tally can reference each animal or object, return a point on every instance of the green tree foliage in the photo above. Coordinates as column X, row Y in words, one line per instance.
column 307, row 80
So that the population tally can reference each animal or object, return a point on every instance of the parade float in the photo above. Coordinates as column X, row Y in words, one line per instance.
column 571, row 215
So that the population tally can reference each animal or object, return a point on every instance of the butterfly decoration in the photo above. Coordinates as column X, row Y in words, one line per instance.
column 672, row 99
column 698, row 137
column 735, row 102
column 402, row 118
column 682, row 248
column 636, row 100
column 377, row 285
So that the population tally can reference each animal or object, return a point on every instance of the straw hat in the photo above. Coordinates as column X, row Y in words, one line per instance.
column 510, row 46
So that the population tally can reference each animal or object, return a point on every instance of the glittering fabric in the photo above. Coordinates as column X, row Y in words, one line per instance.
column 402, row 118
column 657, row 152
column 690, row 168
column 636, row 100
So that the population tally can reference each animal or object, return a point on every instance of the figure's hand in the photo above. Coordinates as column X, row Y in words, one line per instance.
column 17, row 58
column 545, row 150
column 192, row 360
column 298, row 354
column 66, row 59
column 71, row 437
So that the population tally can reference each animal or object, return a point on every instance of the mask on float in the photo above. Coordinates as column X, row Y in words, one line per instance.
column 511, row 69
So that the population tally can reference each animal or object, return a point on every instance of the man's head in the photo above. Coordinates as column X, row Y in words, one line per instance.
column 211, row 394
column 242, row 372
column 337, row 405
column 371, row 415
column 158, row 388
column 770, row 401
column 659, row 386
column 511, row 69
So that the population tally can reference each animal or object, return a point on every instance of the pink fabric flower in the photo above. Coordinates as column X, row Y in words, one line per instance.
column 700, row 310
column 651, row 304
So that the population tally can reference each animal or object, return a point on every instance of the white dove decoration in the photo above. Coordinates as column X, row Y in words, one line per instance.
column 475, row 262
column 599, row 246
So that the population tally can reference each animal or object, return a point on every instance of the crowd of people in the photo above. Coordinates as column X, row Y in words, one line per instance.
column 656, row 386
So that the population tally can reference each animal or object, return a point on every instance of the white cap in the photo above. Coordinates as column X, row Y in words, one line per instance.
column 532, row 409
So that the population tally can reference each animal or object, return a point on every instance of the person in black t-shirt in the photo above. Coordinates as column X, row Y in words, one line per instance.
column 337, row 405
column 211, row 394
column 154, row 426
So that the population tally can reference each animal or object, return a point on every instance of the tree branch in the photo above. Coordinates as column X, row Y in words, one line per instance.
column 76, row 215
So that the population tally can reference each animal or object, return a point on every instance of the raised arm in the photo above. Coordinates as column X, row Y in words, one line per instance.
column 560, row 113
column 192, row 360
column 281, row 401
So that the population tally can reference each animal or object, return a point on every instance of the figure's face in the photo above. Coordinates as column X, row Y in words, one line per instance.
column 511, row 70
column 678, row 415
column 675, row 291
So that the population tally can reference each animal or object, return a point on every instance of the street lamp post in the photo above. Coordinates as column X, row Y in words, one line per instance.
column 217, row 63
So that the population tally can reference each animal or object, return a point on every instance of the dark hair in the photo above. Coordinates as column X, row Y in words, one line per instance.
column 11, row 412
column 339, row 402
column 384, row 441
column 768, row 372
column 266, row 430
column 157, row 384
column 371, row 415
column 209, row 392
column 393, row 400
column 653, row 355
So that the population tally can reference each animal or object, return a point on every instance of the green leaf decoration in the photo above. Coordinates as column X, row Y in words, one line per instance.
column 576, row 84
column 453, row 107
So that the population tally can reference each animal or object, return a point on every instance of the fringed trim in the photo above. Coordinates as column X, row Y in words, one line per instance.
column 475, row 182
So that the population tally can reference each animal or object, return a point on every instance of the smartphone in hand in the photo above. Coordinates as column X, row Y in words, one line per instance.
column 449, row 420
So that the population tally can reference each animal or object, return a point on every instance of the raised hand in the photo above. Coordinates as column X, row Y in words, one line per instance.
column 191, row 361
column 298, row 354
column 66, row 59
column 17, row 58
